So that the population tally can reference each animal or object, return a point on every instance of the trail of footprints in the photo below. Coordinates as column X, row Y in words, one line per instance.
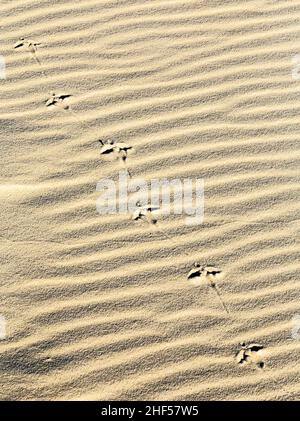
column 247, row 355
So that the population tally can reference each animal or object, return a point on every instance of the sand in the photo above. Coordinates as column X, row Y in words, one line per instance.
column 99, row 306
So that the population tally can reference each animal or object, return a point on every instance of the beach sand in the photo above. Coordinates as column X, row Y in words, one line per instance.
column 99, row 307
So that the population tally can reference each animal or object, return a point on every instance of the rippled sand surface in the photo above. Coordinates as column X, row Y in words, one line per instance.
column 98, row 306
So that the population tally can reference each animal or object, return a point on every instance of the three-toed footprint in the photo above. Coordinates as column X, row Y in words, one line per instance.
column 209, row 274
column 251, row 354
column 58, row 100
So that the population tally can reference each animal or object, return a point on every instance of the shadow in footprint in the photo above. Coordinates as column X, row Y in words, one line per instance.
column 58, row 101
column 251, row 354
column 116, row 150
column 144, row 213
column 30, row 46
column 209, row 274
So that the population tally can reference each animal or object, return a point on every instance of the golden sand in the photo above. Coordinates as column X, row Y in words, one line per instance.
column 98, row 306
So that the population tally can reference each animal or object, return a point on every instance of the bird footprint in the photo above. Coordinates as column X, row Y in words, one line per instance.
column 117, row 150
column 145, row 213
column 209, row 274
column 251, row 354
column 30, row 46
column 58, row 100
